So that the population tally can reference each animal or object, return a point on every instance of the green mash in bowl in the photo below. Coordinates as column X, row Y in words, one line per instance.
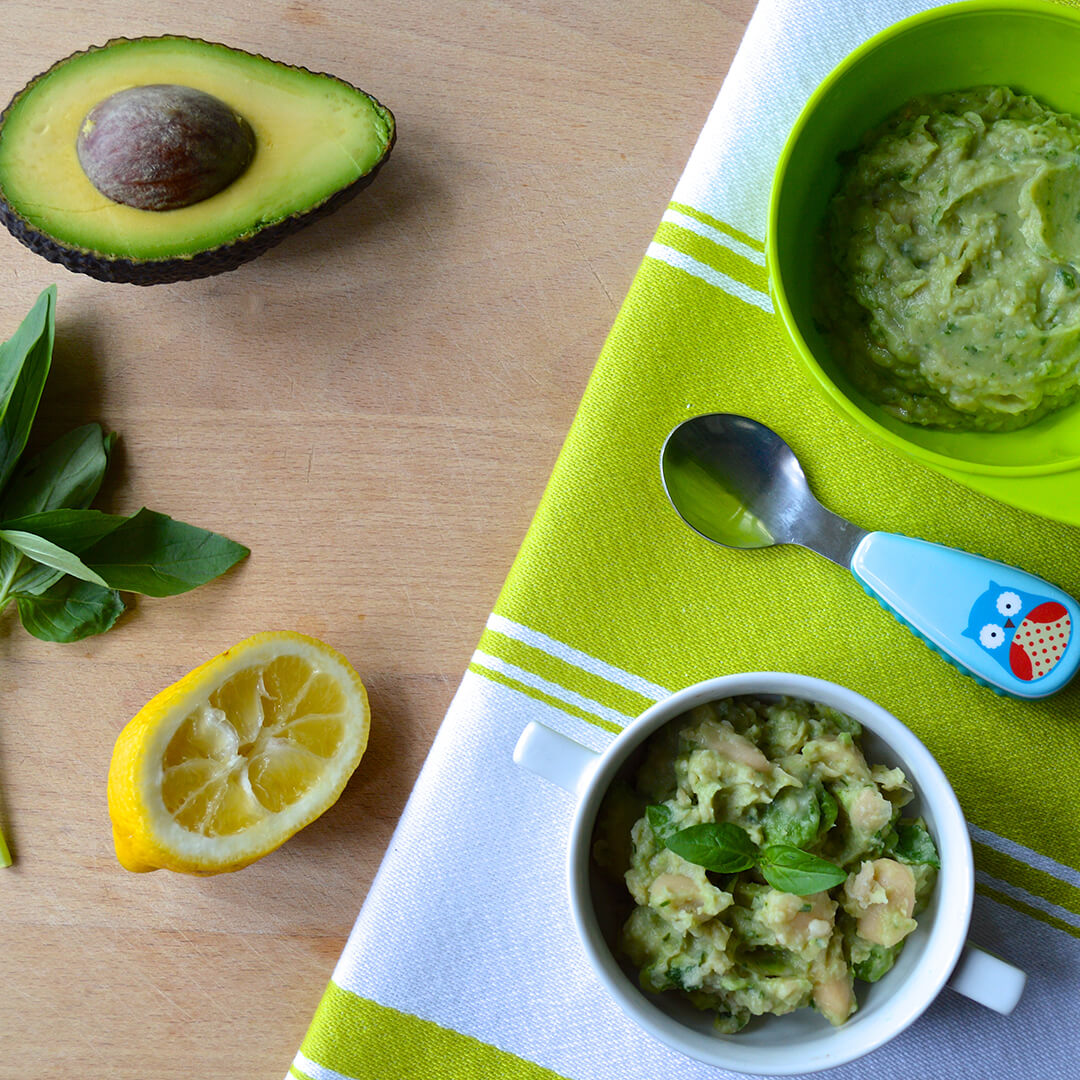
column 831, row 879
column 951, row 293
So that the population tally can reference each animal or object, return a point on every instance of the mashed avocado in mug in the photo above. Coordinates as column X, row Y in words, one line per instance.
column 787, row 773
column 952, row 291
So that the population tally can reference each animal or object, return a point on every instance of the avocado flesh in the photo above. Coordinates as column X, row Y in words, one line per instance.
column 316, row 139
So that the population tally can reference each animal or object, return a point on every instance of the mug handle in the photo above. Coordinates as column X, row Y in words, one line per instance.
column 987, row 979
column 555, row 758
column 978, row 975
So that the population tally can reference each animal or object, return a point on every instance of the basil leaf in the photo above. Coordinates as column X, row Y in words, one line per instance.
column 70, row 611
column 914, row 844
column 718, row 846
column 11, row 562
column 73, row 530
column 148, row 552
column 50, row 554
column 31, row 578
column 24, row 365
column 66, row 473
column 151, row 553
column 790, row 870
column 659, row 818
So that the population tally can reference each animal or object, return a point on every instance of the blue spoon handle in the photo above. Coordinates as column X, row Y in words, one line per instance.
column 1009, row 630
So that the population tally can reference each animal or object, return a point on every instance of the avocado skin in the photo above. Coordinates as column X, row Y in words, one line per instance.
column 202, row 264
column 165, row 271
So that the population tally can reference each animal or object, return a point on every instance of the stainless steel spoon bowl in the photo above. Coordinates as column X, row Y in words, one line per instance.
column 738, row 484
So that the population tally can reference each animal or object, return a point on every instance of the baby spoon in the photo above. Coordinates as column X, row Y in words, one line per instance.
column 737, row 483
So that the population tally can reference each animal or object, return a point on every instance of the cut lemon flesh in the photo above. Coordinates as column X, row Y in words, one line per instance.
column 225, row 765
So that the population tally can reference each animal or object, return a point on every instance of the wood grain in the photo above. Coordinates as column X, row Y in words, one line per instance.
column 374, row 408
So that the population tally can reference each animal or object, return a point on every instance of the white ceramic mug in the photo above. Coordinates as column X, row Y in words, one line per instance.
column 936, row 954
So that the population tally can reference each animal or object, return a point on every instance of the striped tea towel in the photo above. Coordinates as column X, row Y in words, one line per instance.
column 463, row 962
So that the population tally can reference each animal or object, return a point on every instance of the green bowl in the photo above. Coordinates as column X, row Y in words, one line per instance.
column 1032, row 47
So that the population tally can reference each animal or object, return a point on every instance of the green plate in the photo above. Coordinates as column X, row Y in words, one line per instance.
column 1032, row 47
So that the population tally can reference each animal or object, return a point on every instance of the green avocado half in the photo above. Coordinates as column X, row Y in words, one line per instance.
column 309, row 142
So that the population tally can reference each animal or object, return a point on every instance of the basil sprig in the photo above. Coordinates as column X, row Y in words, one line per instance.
column 63, row 564
column 727, row 849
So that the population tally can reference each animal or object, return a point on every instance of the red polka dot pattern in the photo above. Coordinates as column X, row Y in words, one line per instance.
column 1054, row 636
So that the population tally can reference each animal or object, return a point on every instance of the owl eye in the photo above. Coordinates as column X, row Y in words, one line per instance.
column 991, row 636
column 1008, row 603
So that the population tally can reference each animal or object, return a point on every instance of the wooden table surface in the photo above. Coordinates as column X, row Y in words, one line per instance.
column 373, row 407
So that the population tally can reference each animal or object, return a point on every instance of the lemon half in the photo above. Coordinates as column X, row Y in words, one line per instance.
column 225, row 765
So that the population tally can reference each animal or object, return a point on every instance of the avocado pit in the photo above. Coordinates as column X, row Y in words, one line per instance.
column 163, row 147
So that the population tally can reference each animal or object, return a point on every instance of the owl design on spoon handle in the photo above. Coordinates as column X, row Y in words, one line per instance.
column 1027, row 634
column 1008, row 629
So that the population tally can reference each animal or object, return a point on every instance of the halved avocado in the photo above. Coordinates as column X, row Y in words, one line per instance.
column 317, row 142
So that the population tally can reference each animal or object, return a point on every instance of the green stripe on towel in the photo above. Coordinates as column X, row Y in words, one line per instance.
column 565, row 674
column 1027, row 909
column 716, row 223
column 359, row 1038
column 1028, row 878
column 713, row 254
column 548, row 699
